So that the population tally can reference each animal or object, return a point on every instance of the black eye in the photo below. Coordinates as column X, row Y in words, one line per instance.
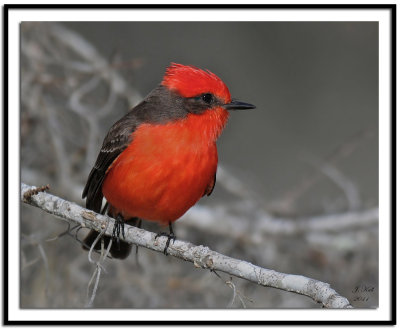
column 207, row 98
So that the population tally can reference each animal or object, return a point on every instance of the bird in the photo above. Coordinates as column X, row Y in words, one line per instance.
column 161, row 158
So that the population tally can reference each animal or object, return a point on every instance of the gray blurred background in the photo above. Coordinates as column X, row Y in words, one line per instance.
column 308, row 155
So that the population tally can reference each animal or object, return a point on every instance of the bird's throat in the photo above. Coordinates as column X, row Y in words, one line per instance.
column 195, row 131
column 207, row 126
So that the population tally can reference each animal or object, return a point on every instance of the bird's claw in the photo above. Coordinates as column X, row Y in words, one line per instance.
column 119, row 226
column 170, row 236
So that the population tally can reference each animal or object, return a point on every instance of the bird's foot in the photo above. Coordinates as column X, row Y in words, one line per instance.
column 119, row 227
column 171, row 236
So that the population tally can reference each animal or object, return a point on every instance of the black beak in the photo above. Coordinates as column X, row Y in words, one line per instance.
column 236, row 105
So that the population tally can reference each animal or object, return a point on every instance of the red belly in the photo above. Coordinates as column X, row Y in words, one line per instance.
column 163, row 173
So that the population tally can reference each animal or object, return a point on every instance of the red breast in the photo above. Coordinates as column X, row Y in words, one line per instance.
column 167, row 167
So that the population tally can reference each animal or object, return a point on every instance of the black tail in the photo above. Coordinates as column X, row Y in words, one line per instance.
column 119, row 250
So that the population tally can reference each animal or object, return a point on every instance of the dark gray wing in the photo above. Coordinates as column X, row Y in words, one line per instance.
column 116, row 141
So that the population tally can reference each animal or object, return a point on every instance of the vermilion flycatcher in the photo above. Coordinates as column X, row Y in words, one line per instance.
column 160, row 158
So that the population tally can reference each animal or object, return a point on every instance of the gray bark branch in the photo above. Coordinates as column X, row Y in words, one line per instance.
column 200, row 256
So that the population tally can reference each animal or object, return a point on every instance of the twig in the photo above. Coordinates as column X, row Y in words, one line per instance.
column 35, row 190
column 236, row 293
column 200, row 256
column 289, row 198
column 349, row 189
column 46, row 267
column 231, row 285
column 98, row 269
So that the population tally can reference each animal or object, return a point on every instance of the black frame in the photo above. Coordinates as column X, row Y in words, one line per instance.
column 391, row 7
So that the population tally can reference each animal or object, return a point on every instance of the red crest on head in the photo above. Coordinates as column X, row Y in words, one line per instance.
column 190, row 81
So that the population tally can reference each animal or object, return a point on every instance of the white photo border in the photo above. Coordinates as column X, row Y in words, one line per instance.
column 382, row 14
